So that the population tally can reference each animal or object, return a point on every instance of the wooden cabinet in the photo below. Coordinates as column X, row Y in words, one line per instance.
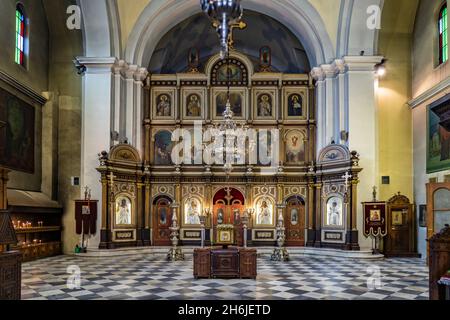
column 10, row 275
column 439, row 261
column 225, row 263
column 202, row 263
column 438, row 207
column 248, row 263
column 401, row 228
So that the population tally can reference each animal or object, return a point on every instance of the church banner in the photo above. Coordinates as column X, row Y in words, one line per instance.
column 375, row 219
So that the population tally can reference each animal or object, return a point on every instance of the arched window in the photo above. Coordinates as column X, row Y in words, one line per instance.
column 20, row 35
column 443, row 42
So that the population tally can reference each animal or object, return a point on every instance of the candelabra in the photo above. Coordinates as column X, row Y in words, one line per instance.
column 175, row 253
column 206, row 213
column 245, row 219
column 280, row 253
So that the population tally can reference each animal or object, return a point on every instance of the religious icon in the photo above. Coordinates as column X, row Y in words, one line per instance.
column 220, row 216
column 295, row 147
column 193, row 60
column 163, row 216
column 397, row 218
column 295, row 106
column 264, row 213
column 234, row 72
column 123, row 211
column 224, row 236
column 235, row 100
column 192, row 212
column 265, row 148
column 193, row 106
column 265, row 58
column 375, row 216
column 334, row 211
column 163, row 148
column 264, row 106
column 294, row 216
column 163, row 108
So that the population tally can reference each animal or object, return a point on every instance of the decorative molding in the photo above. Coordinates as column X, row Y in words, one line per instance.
column 22, row 88
column 430, row 93
column 95, row 65
column 362, row 63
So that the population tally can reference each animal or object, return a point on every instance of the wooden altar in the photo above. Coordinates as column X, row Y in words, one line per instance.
column 221, row 262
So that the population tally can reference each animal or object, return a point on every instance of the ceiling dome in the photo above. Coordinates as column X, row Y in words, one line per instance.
column 288, row 54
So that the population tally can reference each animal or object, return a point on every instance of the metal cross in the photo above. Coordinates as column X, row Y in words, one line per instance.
column 347, row 177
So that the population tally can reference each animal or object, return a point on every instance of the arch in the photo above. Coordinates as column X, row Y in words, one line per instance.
column 161, row 197
column 235, row 193
column 162, row 15
column 96, row 28
column 360, row 37
column 295, row 198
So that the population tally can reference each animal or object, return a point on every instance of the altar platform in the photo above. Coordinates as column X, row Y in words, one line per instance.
column 263, row 252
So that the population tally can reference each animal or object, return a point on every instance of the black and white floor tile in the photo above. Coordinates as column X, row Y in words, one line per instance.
column 151, row 277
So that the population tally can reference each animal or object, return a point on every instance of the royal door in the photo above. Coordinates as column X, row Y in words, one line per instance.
column 162, row 220
column 229, row 206
column 294, row 217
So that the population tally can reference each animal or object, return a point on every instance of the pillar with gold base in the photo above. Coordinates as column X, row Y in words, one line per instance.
column 175, row 252
column 280, row 253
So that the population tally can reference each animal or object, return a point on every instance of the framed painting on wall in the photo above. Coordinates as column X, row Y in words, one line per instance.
column 238, row 100
column 193, row 101
column 438, row 135
column 295, row 104
column 163, row 104
column 17, row 133
column 265, row 104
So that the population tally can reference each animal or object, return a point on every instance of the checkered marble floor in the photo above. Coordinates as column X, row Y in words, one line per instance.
column 151, row 277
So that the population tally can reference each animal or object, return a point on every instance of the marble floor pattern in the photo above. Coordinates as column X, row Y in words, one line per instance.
column 151, row 277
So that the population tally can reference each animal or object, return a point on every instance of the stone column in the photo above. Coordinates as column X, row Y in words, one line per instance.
column 363, row 131
column 96, row 124
column 318, row 75
column 138, row 110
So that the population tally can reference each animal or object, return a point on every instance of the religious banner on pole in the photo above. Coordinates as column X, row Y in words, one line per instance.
column 375, row 219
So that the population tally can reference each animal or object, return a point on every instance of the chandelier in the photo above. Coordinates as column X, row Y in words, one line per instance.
column 223, row 13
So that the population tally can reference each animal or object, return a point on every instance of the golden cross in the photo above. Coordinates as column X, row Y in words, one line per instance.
column 111, row 178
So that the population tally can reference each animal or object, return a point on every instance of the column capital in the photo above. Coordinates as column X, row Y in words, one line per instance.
column 94, row 65
column 141, row 74
column 318, row 74
column 362, row 63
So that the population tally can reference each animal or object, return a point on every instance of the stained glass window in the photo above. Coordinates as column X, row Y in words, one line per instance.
column 443, row 40
column 20, row 36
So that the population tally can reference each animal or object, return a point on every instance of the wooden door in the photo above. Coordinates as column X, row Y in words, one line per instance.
column 294, row 217
column 400, row 231
column 438, row 207
column 162, row 220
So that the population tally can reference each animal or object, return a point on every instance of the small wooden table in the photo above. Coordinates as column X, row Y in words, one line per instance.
column 225, row 263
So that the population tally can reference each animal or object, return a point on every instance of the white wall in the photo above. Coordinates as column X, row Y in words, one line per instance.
column 429, row 83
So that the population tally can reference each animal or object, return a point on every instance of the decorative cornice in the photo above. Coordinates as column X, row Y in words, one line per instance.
column 95, row 64
column 362, row 63
column 430, row 93
column 26, row 90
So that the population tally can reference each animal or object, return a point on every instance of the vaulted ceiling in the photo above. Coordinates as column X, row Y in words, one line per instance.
column 288, row 54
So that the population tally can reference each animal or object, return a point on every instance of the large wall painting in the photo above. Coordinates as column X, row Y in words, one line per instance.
column 438, row 140
column 17, row 133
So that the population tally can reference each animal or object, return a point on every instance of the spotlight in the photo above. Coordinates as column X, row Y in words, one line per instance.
column 381, row 71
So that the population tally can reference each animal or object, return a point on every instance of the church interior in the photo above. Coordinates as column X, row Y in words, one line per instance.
column 224, row 150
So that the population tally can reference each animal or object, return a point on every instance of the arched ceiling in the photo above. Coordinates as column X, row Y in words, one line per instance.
column 288, row 54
